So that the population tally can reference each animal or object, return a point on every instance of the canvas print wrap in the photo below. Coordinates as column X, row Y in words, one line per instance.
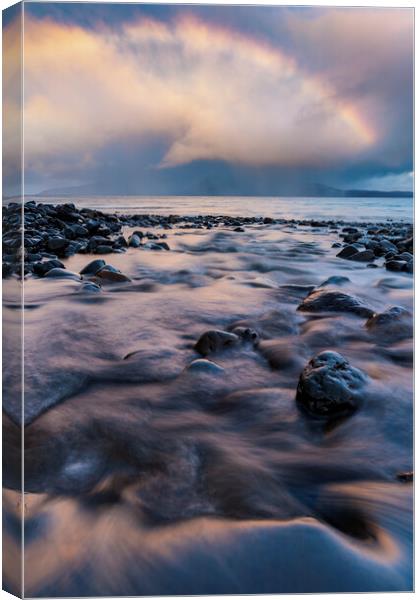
column 207, row 299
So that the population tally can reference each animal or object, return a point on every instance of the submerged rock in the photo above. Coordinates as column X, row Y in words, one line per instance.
column 216, row 340
column 329, row 386
column 90, row 286
column 63, row 274
column 202, row 365
column 335, row 280
column 247, row 334
column 394, row 324
column 321, row 300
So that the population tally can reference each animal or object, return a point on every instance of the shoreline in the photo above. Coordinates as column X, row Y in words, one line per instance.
column 53, row 232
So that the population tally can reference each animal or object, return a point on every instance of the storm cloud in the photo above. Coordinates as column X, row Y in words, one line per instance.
column 327, row 90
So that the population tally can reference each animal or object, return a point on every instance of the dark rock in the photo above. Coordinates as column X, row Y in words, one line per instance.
column 363, row 256
column 336, row 245
column 334, row 301
column 134, row 241
column 110, row 276
column 90, row 287
column 202, row 365
column 371, row 266
column 330, row 387
column 405, row 476
column 395, row 265
column 57, row 243
column 247, row 334
column 335, row 280
column 41, row 268
column 216, row 340
column 347, row 251
column 103, row 249
column 394, row 324
column 62, row 273
column 93, row 267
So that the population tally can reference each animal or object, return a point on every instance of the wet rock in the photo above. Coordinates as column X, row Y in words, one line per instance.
column 112, row 275
column 216, row 340
column 347, row 251
column 57, row 272
column 405, row 476
column 330, row 387
column 202, row 365
column 394, row 324
column 395, row 265
column 134, row 241
column 157, row 246
column 101, row 249
column 279, row 354
column 42, row 267
column 93, row 267
column 321, row 300
column 335, row 280
column 371, row 266
column 336, row 245
column 247, row 334
column 90, row 286
column 363, row 256
column 57, row 243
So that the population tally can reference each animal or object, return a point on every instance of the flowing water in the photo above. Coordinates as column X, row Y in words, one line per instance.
column 143, row 477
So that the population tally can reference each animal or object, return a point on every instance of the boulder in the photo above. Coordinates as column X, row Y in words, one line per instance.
column 321, row 300
column 330, row 387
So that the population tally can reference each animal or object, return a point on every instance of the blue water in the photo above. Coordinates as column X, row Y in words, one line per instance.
column 347, row 209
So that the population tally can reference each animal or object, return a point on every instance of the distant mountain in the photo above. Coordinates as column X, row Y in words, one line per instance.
column 212, row 178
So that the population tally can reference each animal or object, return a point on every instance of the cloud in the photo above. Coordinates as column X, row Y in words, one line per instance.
column 205, row 91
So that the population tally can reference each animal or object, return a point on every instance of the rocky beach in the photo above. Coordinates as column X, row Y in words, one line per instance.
column 213, row 403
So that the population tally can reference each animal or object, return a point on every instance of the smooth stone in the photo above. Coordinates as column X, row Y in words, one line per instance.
column 90, row 286
column 395, row 265
column 363, row 256
column 394, row 324
column 371, row 266
column 215, row 340
column 336, row 245
column 335, row 280
column 329, row 386
column 101, row 249
column 40, row 268
column 157, row 246
column 347, row 251
column 57, row 243
column 93, row 267
column 62, row 273
column 134, row 241
column 334, row 301
column 202, row 365
column 112, row 276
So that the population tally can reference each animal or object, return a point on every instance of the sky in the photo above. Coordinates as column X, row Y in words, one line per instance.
column 138, row 98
